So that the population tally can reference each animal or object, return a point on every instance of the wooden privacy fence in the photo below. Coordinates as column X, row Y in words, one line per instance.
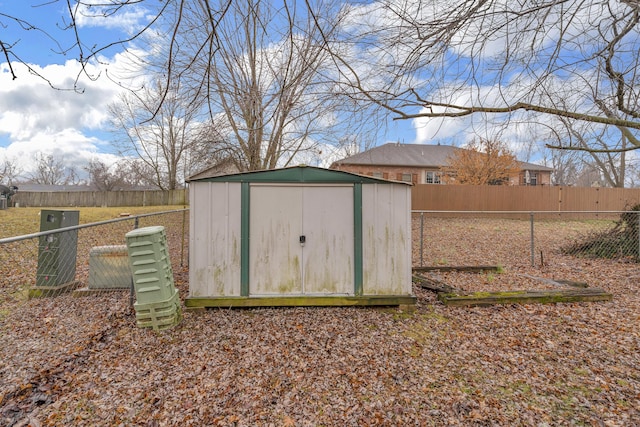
column 424, row 197
column 101, row 198
column 521, row 198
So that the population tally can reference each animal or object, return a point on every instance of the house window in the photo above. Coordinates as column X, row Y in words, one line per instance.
column 432, row 178
column 406, row 177
column 530, row 178
column 377, row 175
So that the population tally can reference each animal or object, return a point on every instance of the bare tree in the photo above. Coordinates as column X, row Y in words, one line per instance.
column 50, row 170
column 601, row 155
column 261, row 68
column 573, row 59
column 566, row 165
column 486, row 58
column 108, row 178
column 164, row 140
column 590, row 150
column 9, row 171
column 265, row 74
column 634, row 175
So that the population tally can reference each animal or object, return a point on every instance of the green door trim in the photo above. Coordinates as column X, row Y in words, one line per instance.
column 245, row 202
column 357, row 239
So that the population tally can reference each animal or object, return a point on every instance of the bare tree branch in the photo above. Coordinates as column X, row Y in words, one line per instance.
column 489, row 58
column 465, row 111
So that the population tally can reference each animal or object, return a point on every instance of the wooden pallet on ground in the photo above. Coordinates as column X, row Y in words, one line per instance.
column 549, row 296
column 575, row 292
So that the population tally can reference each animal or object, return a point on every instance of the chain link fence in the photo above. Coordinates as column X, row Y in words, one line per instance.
column 523, row 239
column 91, row 259
column 63, row 295
column 87, row 259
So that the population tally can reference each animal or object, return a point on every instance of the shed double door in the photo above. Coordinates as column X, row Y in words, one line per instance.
column 301, row 240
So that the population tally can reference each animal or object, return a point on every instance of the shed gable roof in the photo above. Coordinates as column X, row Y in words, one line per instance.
column 294, row 174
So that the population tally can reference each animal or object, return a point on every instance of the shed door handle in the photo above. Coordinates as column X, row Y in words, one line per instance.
column 303, row 239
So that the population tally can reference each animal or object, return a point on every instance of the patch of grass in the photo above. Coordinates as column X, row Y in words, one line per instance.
column 582, row 372
column 402, row 315
column 622, row 383
column 425, row 330
column 432, row 315
column 516, row 388
column 19, row 221
column 623, row 404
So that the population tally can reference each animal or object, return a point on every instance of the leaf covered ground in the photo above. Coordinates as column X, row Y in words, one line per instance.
column 82, row 361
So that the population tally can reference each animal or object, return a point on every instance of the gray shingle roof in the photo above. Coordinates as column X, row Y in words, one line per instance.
column 413, row 155
column 223, row 167
column 45, row 188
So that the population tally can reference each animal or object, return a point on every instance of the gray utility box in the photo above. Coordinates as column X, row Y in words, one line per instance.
column 109, row 267
column 57, row 251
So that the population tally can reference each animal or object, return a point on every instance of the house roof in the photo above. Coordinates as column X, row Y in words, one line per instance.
column 46, row 188
column 413, row 155
column 294, row 174
column 224, row 167
column 30, row 187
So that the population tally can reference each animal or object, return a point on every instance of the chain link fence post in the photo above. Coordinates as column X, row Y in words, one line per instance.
column 533, row 249
column 184, row 224
column 132, row 290
column 421, row 239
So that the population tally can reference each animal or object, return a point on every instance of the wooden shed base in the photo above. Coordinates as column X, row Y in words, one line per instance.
column 301, row 301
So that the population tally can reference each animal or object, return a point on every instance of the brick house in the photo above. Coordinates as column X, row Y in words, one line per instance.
column 422, row 164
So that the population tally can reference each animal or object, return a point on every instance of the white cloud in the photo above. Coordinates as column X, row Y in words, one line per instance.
column 127, row 19
column 69, row 145
column 28, row 105
column 70, row 125
column 430, row 129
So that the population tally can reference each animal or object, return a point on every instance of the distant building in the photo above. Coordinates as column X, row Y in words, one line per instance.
column 423, row 164
column 224, row 167
column 46, row 188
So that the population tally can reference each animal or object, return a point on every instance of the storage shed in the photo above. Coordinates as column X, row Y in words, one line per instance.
column 299, row 236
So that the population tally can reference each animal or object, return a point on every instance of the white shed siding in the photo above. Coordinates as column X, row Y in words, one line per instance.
column 214, row 255
column 386, row 239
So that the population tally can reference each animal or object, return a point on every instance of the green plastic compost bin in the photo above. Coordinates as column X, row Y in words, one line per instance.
column 157, row 303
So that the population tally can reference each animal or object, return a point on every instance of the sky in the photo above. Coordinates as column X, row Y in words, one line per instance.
column 74, row 124
column 67, row 123
column 35, row 117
